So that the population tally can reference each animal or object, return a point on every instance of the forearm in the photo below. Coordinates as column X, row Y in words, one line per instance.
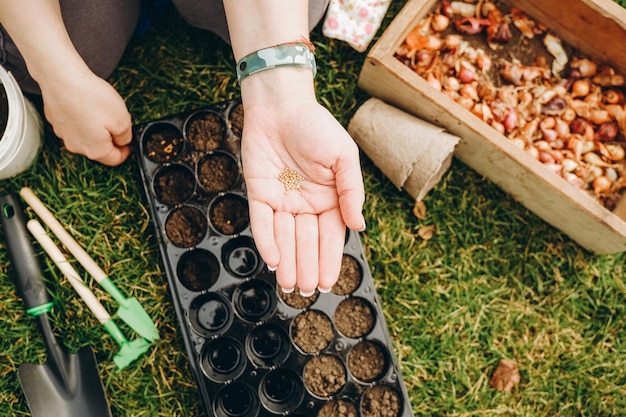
column 258, row 24
column 37, row 28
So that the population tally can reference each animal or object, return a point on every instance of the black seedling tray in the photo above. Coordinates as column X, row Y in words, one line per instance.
column 254, row 350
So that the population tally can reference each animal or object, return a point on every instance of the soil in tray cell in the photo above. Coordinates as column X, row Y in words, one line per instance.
column 205, row 131
column 350, row 276
column 198, row 269
column 312, row 331
column 174, row 184
column 295, row 300
column 338, row 408
column 186, row 226
column 380, row 401
column 324, row 375
column 217, row 172
column 354, row 317
column 367, row 361
column 229, row 214
column 163, row 142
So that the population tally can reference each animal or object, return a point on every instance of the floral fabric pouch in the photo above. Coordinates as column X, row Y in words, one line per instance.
column 354, row 21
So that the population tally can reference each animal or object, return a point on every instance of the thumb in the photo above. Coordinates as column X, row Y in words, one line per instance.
column 116, row 156
column 122, row 132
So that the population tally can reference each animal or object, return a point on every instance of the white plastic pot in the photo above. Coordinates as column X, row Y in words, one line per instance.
column 23, row 136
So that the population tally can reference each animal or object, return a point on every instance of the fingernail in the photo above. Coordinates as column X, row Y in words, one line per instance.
column 362, row 229
column 272, row 268
column 324, row 290
column 307, row 294
column 287, row 290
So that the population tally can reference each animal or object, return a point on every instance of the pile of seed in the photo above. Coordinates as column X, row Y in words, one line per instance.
column 290, row 179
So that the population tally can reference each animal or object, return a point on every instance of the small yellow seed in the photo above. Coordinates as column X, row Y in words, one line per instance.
column 290, row 179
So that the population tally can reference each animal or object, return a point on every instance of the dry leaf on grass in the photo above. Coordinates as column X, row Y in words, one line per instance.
column 506, row 376
column 426, row 232
column 419, row 209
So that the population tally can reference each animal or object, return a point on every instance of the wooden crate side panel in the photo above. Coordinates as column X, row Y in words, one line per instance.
column 554, row 200
column 494, row 157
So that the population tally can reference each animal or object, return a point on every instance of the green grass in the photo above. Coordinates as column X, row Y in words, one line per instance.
column 494, row 282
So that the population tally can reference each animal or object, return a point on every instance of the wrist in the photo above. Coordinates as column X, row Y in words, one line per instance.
column 277, row 86
column 65, row 67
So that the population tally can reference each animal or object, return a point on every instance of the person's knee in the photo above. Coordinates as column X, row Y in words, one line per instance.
column 101, row 31
column 208, row 15
column 317, row 10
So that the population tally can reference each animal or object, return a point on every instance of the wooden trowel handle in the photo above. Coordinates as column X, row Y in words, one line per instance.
column 26, row 264
column 63, row 235
column 53, row 251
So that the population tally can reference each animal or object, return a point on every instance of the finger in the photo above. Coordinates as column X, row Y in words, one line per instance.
column 284, row 230
column 262, row 226
column 103, row 149
column 307, row 252
column 351, row 193
column 122, row 134
column 332, row 239
column 116, row 156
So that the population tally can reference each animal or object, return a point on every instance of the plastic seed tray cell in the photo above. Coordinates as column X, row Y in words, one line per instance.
column 254, row 350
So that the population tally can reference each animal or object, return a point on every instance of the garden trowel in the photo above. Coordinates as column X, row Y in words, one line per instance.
column 129, row 310
column 67, row 384
column 129, row 350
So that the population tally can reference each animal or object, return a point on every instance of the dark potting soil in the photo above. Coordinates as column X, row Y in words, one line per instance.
column 338, row 408
column 186, row 226
column 174, row 185
column 295, row 300
column 236, row 120
column 229, row 216
column 206, row 132
column 366, row 361
column 4, row 110
column 198, row 270
column 312, row 331
column 164, row 145
column 349, row 278
column 217, row 172
column 354, row 317
column 380, row 401
column 324, row 375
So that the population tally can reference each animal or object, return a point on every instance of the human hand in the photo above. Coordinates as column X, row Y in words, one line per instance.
column 301, row 232
column 89, row 115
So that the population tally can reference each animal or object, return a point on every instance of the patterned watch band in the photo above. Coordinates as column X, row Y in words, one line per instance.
column 297, row 54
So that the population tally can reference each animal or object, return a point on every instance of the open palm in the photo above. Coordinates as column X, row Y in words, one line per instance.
column 301, row 230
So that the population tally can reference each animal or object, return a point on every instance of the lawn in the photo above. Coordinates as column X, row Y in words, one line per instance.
column 494, row 282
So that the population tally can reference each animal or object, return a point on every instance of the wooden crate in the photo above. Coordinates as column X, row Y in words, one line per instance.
column 598, row 29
